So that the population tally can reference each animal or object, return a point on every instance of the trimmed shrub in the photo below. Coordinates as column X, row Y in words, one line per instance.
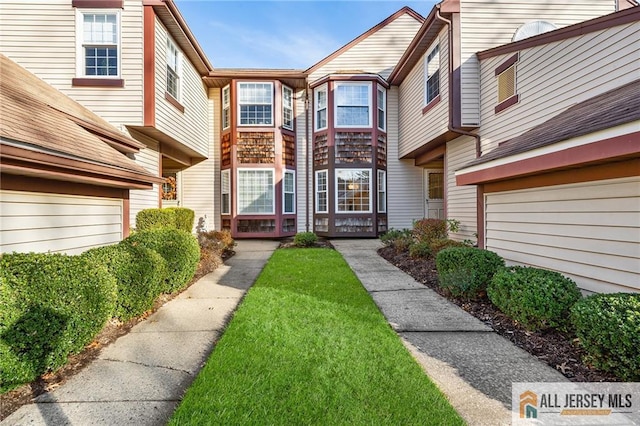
column 466, row 271
column 154, row 219
column 179, row 249
column 608, row 326
column 52, row 305
column 439, row 245
column 139, row 272
column 536, row 298
column 393, row 234
column 428, row 230
column 183, row 218
column 420, row 250
column 305, row 239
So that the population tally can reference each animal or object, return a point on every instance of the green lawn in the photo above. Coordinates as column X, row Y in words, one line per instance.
column 309, row 346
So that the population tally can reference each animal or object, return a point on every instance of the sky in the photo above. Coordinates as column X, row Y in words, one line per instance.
column 292, row 34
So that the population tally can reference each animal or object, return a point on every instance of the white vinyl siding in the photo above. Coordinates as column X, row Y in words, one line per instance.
column 57, row 223
column 588, row 231
column 461, row 200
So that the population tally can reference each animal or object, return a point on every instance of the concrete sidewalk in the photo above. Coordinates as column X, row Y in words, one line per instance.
column 140, row 378
column 471, row 364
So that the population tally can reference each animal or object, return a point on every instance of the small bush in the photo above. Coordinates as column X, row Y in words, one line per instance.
column 420, row 250
column 608, row 326
column 179, row 249
column 154, row 219
column 439, row 245
column 428, row 230
column 183, row 218
column 536, row 298
column 466, row 271
column 51, row 305
column 305, row 239
column 214, row 245
column 392, row 234
column 139, row 272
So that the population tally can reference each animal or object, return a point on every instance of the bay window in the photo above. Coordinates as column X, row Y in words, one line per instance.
column 256, row 193
column 322, row 205
column 353, row 190
column 255, row 103
column 320, row 107
column 289, row 192
column 287, row 108
column 382, row 109
column 226, row 108
column 352, row 104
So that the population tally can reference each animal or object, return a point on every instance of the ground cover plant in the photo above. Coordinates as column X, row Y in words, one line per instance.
column 309, row 346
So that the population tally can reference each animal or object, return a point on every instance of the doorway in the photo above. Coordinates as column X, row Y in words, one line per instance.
column 434, row 193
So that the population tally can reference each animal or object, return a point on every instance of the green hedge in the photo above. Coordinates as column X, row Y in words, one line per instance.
column 179, row 249
column 305, row 239
column 183, row 218
column 52, row 305
column 608, row 327
column 140, row 273
column 466, row 271
column 536, row 298
column 171, row 217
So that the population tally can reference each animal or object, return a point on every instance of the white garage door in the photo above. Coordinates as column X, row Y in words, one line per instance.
column 58, row 223
column 588, row 231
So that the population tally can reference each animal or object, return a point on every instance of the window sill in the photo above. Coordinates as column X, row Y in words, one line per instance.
column 507, row 103
column 97, row 82
column 431, row 104
column 173, row 101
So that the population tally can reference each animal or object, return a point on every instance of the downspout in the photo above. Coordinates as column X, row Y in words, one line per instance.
column 309, row 155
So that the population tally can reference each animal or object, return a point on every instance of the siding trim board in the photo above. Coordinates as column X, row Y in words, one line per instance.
column 173, row 101
column 97, row 82
column 435, row 101
column 98, row 4
column 506, row 64
column 507, row 103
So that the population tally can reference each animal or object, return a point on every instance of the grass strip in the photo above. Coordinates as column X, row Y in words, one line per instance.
column 308, row 346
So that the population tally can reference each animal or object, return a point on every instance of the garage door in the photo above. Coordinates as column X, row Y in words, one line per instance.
column 588, row 231
column 58, row 223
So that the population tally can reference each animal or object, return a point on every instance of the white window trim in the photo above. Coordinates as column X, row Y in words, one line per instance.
column 382, row 177
column 80, row 58
column 335, row 104
column 273, row 204
column 223, row 191
column 284, row 210
column 226, row 106
column 326, row 191
column 239, row 110
column 322, row 88
column 383, row 109
column 369, row 210
column 426, row 76
column 284, row 107
column 178, row 70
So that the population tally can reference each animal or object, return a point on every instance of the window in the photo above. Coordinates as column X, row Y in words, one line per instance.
column 255, row 104
column 353, row 190
column 353, row 104
column 322, row 205
column 98, row 51
column 506, row 76
column 382, row 109
column 432, row 75
column 289, row 192
column 173, row 69
column 255, row 191
column 287, row 108
column 226, row 108
column 436, row 185
column 382, row 191
column 320, row 102
column 225, row 189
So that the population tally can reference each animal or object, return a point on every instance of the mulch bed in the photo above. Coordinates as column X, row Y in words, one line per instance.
column 559, row 350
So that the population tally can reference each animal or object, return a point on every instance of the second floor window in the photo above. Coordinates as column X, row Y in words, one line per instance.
column 287, row 108
column 226, row 108
column 320, row 105
column 353, row 104
column 432, row 75
column 255, row 102
column 382, row 109
column 173, row 69
column 99, row 44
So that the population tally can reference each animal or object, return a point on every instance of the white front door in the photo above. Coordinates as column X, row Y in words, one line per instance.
column 434, row 193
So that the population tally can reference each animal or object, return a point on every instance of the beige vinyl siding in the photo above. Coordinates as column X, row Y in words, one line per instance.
column 553, row 77
column 304, row 201
column 404, row 181
column 588, row 231
column 58, row 223
column 377, row 54
column 417, row 128
column 141, row 199
column 461, row 200
column 490, row 23
column 41, row 37
column 200, row 184
column 189, row 128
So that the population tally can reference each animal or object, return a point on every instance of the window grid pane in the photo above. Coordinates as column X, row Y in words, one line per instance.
column 255, row 192
column 287, row 108
column 353, row 188
column 382, row 191
column 226, row 191
column 289, row 192
column 432, row 75
column 101, row 60
column 100, row 28
column 226, row 112
column 321, row 192
column 352, row 105
column 381, row 109
column 436, row 186
column 172, row 82
column 255, row 103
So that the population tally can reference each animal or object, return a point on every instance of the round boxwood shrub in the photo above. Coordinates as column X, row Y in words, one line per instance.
column 179, row 249
column 466, row 271
column 183, row 218
column 420, row 250
column 139, row 272
column 305, row 239
column 536, row 298
column 51, row 305
column 155, row 218
column 608, row 327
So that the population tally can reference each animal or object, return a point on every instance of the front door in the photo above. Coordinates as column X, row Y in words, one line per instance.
column 434, row 193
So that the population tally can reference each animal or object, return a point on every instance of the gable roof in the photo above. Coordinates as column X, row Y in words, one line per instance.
column 44, row 133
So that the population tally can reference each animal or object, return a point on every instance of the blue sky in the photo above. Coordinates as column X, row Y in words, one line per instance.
column 282, row 34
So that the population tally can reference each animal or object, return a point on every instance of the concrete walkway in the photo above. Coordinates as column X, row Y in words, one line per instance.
column 140, row 378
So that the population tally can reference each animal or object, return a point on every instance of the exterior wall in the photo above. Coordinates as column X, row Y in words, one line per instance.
column 490, row 23
column 41, row 37
column 200, row 184
column 377, row 54
column 461, row 201
column 304, row 198
column 553, row 77
column 39, row 222
column 417, row 128
column 149, row 158
column 404, row 180
column 587, row 231
column 189, row 127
